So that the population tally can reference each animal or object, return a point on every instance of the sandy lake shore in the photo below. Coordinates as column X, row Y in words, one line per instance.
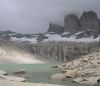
column 13, row 83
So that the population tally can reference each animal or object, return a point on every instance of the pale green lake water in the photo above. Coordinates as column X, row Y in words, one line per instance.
column 38, row 73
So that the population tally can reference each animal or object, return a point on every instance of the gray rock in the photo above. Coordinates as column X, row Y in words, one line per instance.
column 3, row 72
column 63, row 51
column 71, row 23
column 41, row 37
column 89, row 20
column 87, row 34
column 58, row 76
column 92, row 81
column 71, row 73
column 54, row 28
column 21, row 71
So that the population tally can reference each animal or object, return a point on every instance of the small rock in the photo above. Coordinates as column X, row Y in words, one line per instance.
column 22, row 71
column 58, row 76
column 54, row 67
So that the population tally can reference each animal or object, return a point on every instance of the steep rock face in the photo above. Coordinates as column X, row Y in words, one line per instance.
column 71, row 23
column 99, row 26
column 55, row 29
column 63, row 51
column 89, row 20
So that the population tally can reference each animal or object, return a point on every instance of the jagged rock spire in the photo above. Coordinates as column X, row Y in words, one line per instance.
column 71, row 23
column 55, row 28
column 89, row 20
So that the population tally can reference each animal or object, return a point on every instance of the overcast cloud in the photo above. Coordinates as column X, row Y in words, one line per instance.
column 33, row 16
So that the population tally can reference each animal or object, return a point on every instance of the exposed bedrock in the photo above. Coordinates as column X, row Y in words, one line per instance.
column 63, row 51
column 89, row 20
column 71, row 23
column 55, row 28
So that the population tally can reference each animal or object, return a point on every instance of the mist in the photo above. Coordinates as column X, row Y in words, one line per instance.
column 34, row 16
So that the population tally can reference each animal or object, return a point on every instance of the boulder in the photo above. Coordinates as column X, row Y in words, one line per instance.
column 21, row 71
column 71, row 23
column 79, row 79
column 71, row 73
column 58, row 76
column 3, row 72
column 92, row 81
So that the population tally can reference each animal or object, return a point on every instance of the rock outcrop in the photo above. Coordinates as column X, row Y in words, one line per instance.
column 54, row 28
column 41, row 37
column 71, row 23
column 85, row 70
column 63, row 51
column 89, row 21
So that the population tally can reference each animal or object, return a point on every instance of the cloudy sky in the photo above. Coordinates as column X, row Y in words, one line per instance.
column 33, row 16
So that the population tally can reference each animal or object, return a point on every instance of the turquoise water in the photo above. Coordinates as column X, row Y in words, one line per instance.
column 38, row 73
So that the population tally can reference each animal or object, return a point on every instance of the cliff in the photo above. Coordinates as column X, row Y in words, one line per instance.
column 64, row 51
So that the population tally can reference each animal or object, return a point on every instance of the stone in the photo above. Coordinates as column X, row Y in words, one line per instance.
column 79, row 79
column 63, row 69
column 58, row 76
column 97, row 61
column 71, row 23
column 21, row 71
column 92, row 81
column 71, row 73
column 54, row 67
column 3, row 72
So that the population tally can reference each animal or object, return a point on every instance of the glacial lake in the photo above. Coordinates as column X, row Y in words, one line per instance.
column 37, row 73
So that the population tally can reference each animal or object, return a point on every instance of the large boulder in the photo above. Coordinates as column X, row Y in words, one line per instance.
column 92, row 81
column 71, row 73
column 71, row 23
column 3, row 72
column 54, row 28
column 89, row 20
column 58, row 76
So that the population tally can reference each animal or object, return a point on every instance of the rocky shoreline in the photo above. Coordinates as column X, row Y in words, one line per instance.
column 85, row 70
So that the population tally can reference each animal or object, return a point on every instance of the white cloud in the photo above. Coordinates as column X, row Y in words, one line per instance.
column 32, row 16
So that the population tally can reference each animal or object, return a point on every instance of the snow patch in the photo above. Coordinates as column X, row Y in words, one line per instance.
column 33, row 40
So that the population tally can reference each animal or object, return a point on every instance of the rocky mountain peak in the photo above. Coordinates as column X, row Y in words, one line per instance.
column 54, row 28
column 71, row 23
column 89, row 20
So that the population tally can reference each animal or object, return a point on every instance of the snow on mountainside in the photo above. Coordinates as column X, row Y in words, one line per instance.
column 56, row 37
column 34, row 38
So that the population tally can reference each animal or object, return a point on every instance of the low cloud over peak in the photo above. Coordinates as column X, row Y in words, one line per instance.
column 33, row 16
